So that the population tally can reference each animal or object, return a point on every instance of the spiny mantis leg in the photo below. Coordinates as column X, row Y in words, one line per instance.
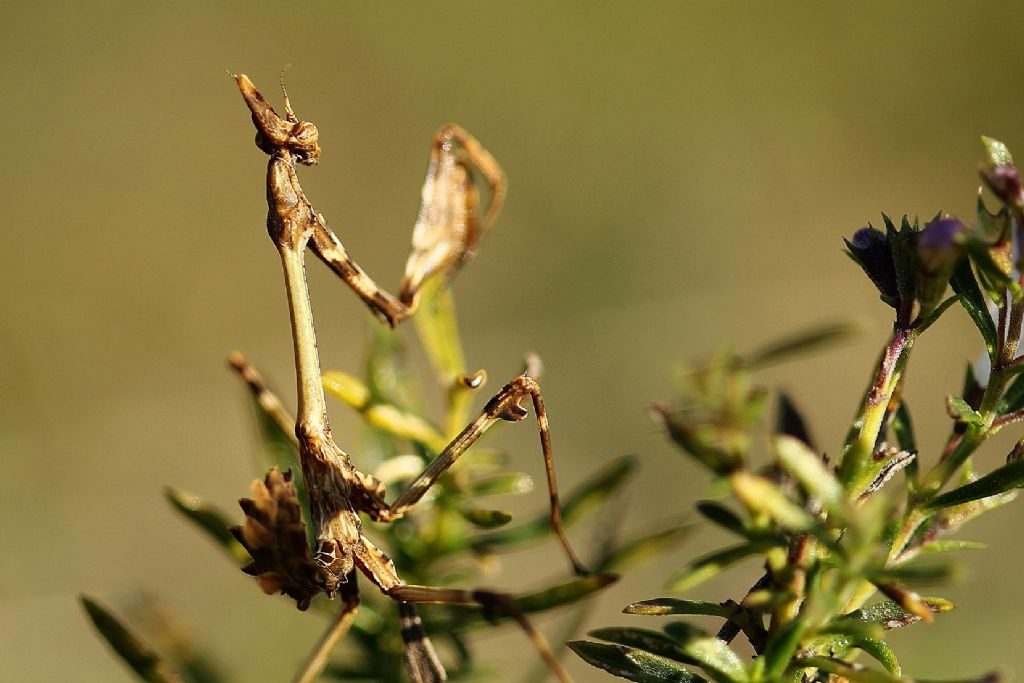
column 421, row 662
column 447, row 227
column 505, row 405
column 494, row 605
column 335, row 631
column 369, row 486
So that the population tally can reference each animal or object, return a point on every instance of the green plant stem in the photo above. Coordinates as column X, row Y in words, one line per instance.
column 856, row 471
column 940, row 474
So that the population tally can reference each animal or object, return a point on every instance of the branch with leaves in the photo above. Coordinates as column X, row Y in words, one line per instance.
column 845, row 546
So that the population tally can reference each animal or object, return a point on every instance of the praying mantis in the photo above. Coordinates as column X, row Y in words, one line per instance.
column 448, row 227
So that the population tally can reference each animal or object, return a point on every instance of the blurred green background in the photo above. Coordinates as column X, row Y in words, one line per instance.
column 681, row 177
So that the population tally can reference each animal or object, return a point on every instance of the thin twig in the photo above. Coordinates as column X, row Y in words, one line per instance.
column 335, row 631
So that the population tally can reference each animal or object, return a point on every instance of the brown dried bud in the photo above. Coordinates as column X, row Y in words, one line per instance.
column 275, row 537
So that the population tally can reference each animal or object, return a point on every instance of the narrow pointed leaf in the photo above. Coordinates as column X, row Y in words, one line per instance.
column 347, row 388
column 890, row 615
column 781, row 647
column 438, row 329
column 806, row 466
column 845, row 670
column 564, row 593
column 880, row 652
column 1013, row 398
column 950, row 546
column 143, row 660
column 713, row 655
column 937, row 312
column 212, row 521
column 966, row 286
column 710, row 565
column 508, row 483
column 723, row 517
column 654, row 642
column 645, row 548
column 486, row 519
column 903, row 428
column 998, row 153
column 673, row 606
column 804, row 342
column 583, row 500
column 632, row 664
column 844, row 629
column 961, row 411
column 758, row 493
column 790, row 422
column 1009, row 476
column 919, row 572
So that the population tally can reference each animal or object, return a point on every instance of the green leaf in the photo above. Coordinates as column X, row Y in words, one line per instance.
column 632, row 664
column 685, row 644
column 1009, row 476
column 803, row 342
column 806, row 466
column 966, row 286
column 760, row 494
column 936, row 313
column 1013, row 399
column 961, row 411
column 903, row 243
column 710, row 565
column 697, row 441
column 722, row 516
column 997, row 152
column 586, row 498
column 713, row 655
column 880, row 652
column 781, row 647
column 950, row 546
column 486, row 519
column 142, row 659
column 844, row 670
column 654, row 642
column 564, row 593
column 646, row 547
column 903, row 428
column 890, row 615
column 671, row 606
column 790, row 422
column 212, row 521
column 919, row 572
column 994, row 275
column 438, row 329
column 500, row 484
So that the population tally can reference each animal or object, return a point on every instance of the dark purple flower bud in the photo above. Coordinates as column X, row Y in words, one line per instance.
column 939, row 240
column 939, row 247
column 871, row 250
column 1004, row 181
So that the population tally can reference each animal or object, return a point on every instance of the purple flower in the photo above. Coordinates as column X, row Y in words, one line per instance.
column 870, row 248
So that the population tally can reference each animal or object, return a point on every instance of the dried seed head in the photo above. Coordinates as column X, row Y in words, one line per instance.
column 275, row 537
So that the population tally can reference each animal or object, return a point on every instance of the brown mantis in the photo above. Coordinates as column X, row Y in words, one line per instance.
column 448, row 227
